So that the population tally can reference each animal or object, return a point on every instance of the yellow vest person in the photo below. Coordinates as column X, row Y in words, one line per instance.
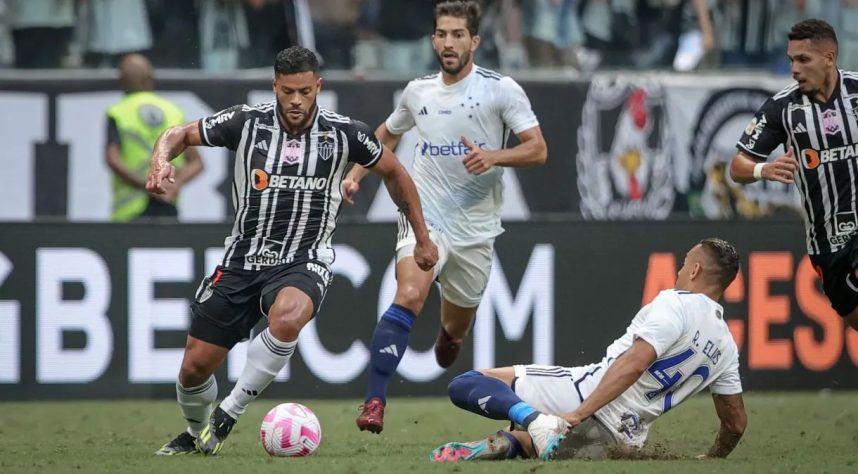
column 133, row 126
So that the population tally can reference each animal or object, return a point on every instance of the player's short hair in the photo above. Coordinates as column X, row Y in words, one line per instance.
column 814, row 30
column 468, row 10
column 295, row 59
column 725, row 257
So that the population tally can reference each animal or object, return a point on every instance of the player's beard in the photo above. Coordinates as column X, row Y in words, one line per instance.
column 302, row 123
column 463, row 61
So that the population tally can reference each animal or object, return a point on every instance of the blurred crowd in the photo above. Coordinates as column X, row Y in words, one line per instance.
column 392, row 35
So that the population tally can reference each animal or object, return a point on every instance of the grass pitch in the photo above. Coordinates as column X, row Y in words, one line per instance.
column 786, row 433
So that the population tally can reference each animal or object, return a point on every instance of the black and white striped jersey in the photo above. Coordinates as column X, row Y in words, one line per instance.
column 286, row 190
column 824, row 137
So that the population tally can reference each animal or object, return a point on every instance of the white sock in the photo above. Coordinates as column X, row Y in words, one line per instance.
column 266, row 356
column 196, row 403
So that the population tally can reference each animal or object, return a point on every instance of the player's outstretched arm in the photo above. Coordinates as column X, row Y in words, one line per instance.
column 532, row 151
column 170, row 144
column 351, row 183
column 619, row 377
column 781, row 169
column 404, row 194
column 731, row 412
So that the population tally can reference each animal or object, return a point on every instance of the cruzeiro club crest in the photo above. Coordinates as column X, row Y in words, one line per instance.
column 623, row 163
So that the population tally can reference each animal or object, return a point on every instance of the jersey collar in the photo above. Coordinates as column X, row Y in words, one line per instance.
column 460, row 83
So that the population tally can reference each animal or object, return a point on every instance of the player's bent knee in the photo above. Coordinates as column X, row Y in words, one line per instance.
column 411, row 297
column 286, row 323
column 193, row 373
column 461, row 377
column 504, row 374
column 286, row 327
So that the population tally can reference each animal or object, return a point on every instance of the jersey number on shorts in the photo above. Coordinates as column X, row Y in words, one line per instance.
column 660, row 370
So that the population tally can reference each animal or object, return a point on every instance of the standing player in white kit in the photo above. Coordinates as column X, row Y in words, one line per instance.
column 463, row 115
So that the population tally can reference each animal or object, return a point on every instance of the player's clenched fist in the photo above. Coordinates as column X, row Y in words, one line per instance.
column 425, row 254
column 159, row 170
column 350, row 188
column 781, row 169
column 477, row 161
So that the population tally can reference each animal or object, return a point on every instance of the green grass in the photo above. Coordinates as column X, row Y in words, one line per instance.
column 786, row 433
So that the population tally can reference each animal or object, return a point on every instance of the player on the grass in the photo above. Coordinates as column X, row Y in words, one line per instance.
column 463, row 115
column 816, row 122
column 675, row 346
column 290, row 158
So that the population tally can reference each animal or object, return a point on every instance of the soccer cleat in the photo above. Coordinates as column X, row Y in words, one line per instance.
column 371, row 417
column 547, row 431
column 215, row 432
column 182, row 444
column 493, row 447
column 446, row 348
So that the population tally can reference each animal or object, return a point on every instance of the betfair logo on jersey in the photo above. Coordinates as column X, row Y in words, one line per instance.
column 452, row 149
column 218, row 119
column 263, row 181
column 369, row 143
column 811, row 159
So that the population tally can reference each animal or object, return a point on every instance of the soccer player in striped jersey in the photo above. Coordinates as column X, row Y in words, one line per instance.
column 815, row 120
column 675, row 346
column 290, row 159
column 463, row 115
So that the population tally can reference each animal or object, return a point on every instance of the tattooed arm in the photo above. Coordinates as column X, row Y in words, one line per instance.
column 731, row 411
column 171, row 144
column 404, row 194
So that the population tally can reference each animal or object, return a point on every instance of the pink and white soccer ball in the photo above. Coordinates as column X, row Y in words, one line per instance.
column 290, row 430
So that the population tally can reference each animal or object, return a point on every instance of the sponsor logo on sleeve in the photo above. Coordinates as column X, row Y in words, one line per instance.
column 369, row 142
column 218, row 119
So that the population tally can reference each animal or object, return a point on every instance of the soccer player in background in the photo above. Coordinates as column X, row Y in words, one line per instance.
column 463, row 116
column 290, row 158
column 675, row 346
column 133, row 126
column 816, row 121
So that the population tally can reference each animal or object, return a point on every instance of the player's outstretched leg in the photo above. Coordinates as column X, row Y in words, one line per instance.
column 389, row 341
column 493, row 398
column 501, row 445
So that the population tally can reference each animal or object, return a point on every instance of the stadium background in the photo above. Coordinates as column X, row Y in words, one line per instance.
column 636, row 174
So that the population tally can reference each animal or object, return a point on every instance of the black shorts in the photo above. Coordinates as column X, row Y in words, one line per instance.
column 231, row 301
column 837, row 271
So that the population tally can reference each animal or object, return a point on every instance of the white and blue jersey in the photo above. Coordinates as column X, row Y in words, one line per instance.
column 694, row 349
column 483, row 107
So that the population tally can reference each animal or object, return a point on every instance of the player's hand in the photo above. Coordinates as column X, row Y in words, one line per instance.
column 350, row 188
column 782, row 169
column 171, row 192
column 477, row 161
column 574, row 419
column 425, row 254
column 159, row 170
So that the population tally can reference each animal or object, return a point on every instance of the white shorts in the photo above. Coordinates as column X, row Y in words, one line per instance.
column 558, row 390
column 554, row 389
column 462, row 270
